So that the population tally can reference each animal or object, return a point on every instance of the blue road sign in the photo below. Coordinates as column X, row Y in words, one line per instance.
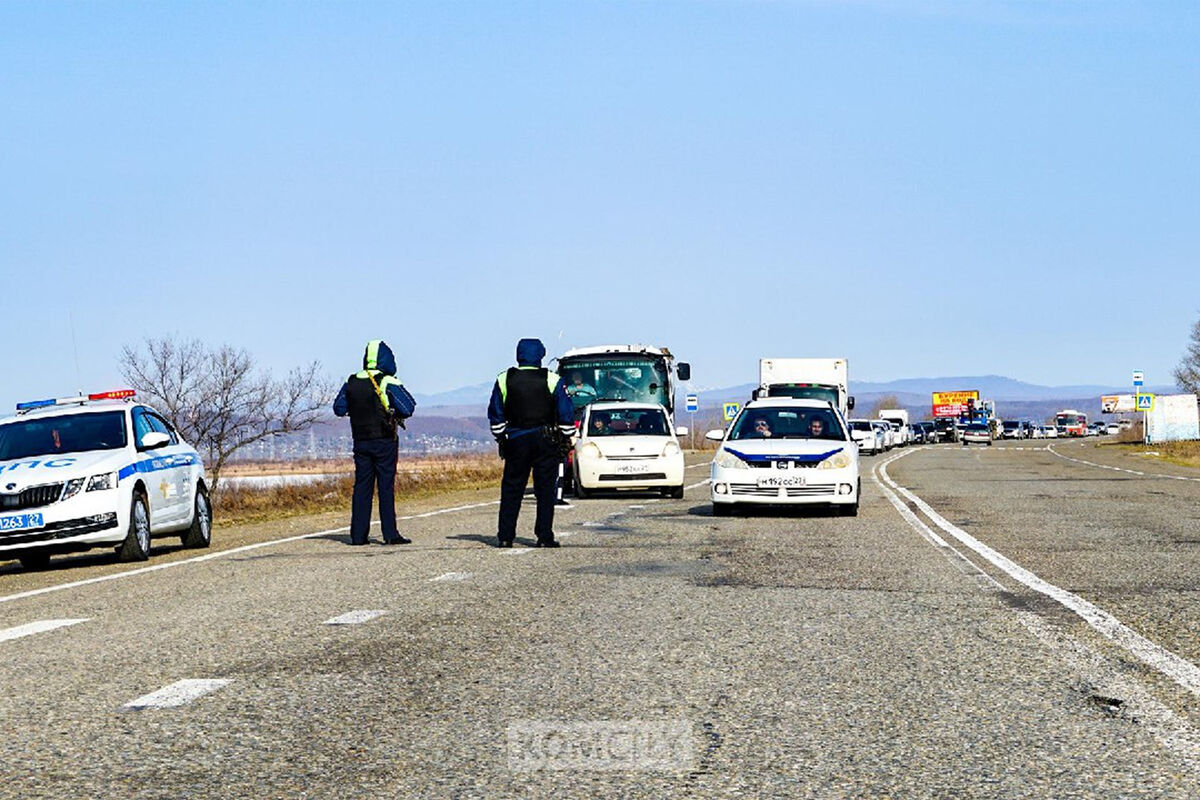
column 693, row 403
column 1145, row 402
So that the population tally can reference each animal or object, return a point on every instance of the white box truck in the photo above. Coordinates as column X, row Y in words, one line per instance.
column 807, row 378
column 897, row 416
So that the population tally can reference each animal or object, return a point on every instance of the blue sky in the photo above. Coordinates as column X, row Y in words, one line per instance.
column 927, row 188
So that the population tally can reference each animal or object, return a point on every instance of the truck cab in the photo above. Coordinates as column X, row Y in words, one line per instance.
column 825, row 379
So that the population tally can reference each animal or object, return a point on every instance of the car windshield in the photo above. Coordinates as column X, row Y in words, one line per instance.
column 977, row 427
column 1008, row 426
column 640, row 380
column 860, row 425
column 627, row 422
column 69, row 433
column 788, row 423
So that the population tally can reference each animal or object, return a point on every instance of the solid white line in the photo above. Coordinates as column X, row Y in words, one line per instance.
column 177, row 694
column 1122, row 469
column 451, row 576
column 220, row 554
column 41, row 626
column 357, row 617
column 1178, row 669
column 694, row 485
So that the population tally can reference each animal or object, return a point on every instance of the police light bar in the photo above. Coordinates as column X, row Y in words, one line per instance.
column 35, row 404
column 115, row 394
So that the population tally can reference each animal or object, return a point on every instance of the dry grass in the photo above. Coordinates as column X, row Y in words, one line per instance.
column 414, row 478
column 1185, row 454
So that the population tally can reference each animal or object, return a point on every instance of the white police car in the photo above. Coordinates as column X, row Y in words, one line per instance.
column 96, row 471
column 780, row 451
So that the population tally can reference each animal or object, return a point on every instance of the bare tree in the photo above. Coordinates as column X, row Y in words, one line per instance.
column 1187, row 374
column 887, row 401
column 218, row 399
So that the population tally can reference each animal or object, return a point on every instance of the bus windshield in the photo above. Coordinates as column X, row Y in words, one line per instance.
column 1071, row 420
column 591, row 378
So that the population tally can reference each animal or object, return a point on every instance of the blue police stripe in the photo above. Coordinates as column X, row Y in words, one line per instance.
column 802, row 458
column 157, row 464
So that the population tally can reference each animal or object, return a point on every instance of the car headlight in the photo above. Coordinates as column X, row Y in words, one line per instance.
column 98, row 483
column 727, row 460
column 670, row 449
column 590, row 450
column 72, row 488
column 836, row 461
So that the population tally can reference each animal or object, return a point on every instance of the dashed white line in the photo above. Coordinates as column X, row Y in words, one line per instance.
column 694, row 485
column 516, row 551
column 41, row 626
column 356, row 617
column 176, row 694
column 1175, row 667
column 1122, row 469
column 451, row 576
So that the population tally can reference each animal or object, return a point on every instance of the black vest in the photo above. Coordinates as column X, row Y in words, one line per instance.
column 367, row 417
column 528, row 402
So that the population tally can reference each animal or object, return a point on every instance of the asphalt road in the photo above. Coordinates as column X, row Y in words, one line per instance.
column 997, row 622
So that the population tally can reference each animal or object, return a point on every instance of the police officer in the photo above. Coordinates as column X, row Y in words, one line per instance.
column 526, row 400
column 375, row 402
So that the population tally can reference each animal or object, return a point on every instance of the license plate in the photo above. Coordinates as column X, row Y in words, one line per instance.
column 21, row 522
column 781, row 480
column 632, row 469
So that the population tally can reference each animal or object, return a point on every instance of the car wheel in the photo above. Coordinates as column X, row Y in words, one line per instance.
column 677, row 492
column 989, row 442
column 200, row 533
column 722, row 510
column 580, row 492
column 37, row 560
column 136, row 546
column 850, row 510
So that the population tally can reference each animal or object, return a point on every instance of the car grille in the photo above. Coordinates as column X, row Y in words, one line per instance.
column 774, row 464
column 60, row 530
column 753, row 491
column 812, row 490
column 644, row 476
column 649, row 457
column 33, row 497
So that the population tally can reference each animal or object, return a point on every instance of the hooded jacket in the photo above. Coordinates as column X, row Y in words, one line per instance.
column 524, row 404
column 373, row 414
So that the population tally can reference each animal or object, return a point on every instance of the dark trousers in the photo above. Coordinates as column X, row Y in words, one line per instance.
column 374, row 464
column 523, row 454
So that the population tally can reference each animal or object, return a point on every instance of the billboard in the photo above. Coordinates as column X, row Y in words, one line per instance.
column 1175, row 417
column 953, row 404
column 1116, row 403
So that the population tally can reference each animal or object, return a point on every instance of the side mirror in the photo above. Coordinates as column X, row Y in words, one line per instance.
column 850, row 403
column 716, row 435
column 155, row 439
column 681, row 431
column 684, row 371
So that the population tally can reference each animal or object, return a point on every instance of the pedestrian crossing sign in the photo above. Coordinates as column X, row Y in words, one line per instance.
column 731, row 410
column 1145, row 402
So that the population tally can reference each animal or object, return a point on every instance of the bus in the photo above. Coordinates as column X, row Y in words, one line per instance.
column 1073, row 422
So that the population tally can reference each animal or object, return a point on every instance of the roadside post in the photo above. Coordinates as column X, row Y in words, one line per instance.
column 1139, row 380
column 693, row 405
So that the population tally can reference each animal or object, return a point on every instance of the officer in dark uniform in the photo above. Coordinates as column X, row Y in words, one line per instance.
column 375, row 402
column 527, row 400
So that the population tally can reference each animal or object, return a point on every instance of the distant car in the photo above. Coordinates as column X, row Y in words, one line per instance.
column 1049, row 432
column 1011, row 429
column 1113, row 428
column 889, row 437
column 1037, row 432
column 977, row 432
column 627, row 446
column 1125, row 424
column 869, row 438
column 781, row 451
column 100, row 470
column 1095, row 428
column 945, row 429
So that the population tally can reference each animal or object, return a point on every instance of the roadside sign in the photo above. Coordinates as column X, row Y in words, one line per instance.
column 1139, row 378
column 952, row 404
column 730, row 410
column 1117, row 403
column 1145, row 402
column 693, row 403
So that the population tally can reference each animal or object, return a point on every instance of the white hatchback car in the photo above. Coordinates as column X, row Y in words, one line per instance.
column 628, row 446
column 96, row 471
column 868, row 436
column 779, row 451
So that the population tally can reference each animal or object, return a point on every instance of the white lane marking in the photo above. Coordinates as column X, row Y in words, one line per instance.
column 637, row 506
column 564, row 534
column 594, row 524
column 516, row 551
column 451, row 576
column 694, row 485
column 1175, row 667
column 356, row 617
column 220, row 554
column 176, row 694
column 1122, row 469
column 41, row 626
column 698, row 466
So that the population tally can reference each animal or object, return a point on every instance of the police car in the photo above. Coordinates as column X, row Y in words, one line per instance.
column 780, row 451
column 100, row 470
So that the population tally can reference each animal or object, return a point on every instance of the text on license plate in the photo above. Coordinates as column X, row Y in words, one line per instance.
column 779, row 480
column 631, row 469
column 21, row 522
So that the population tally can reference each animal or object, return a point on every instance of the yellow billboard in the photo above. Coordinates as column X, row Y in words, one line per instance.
column 953, row 404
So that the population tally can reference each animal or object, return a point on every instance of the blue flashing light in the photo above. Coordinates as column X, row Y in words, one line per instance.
column 34, row 404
